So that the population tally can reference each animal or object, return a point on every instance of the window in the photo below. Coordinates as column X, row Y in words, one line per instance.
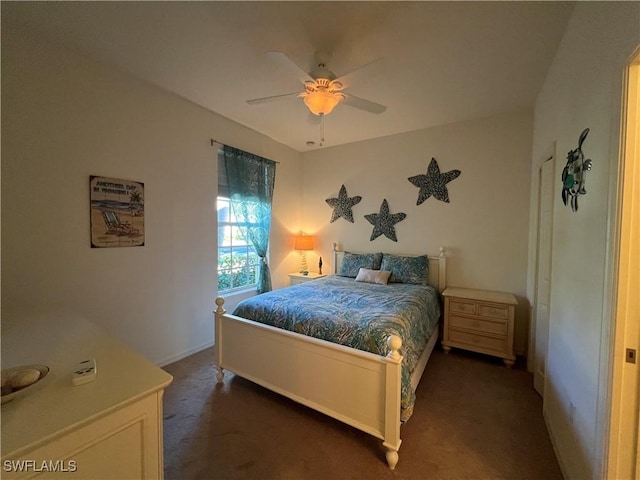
column 245, row 193
column 237, row 259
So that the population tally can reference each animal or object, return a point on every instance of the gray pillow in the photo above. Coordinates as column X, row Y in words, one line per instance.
column 373, row 276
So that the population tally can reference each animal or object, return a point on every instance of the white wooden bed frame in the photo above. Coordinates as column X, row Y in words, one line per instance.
column 358, row 388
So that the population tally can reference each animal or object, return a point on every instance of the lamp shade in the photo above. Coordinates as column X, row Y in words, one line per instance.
column 304, row 242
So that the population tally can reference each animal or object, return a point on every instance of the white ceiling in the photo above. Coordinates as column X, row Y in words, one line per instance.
column 430, row 63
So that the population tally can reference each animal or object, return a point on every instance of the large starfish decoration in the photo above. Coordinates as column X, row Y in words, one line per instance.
column 383, row 222
column 434, row 183
column 342, row 205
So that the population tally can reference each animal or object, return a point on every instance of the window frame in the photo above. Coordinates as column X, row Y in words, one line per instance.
column 247, row 265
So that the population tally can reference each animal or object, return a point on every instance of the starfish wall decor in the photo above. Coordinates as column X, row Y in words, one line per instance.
column 434, row 183
column 342, row 205
column 383, row 222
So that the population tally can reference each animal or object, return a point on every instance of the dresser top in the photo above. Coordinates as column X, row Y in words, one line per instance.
column 481, row 295
column 59, row 340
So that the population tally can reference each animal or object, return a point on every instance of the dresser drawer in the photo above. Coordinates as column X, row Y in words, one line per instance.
column 479, row 341
column 462, row 306
column 493, row 311
column 478, row 325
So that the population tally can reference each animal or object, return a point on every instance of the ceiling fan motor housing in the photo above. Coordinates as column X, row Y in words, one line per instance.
column 322, row 72
column 323, row 85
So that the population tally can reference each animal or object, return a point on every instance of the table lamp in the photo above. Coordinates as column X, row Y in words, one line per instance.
column 303, row 243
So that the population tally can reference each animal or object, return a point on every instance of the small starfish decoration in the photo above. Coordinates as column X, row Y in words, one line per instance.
column 383, row 222
column 434, row 183
column 342, row 205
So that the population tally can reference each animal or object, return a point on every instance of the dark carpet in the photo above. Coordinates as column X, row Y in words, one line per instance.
column 473, row 419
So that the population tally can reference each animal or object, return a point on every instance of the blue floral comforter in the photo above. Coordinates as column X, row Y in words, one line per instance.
column 355, row 314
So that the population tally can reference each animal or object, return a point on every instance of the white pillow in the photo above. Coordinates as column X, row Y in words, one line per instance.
column 366, row 275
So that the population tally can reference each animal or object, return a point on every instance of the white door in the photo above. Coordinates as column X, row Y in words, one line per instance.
column 543, row 272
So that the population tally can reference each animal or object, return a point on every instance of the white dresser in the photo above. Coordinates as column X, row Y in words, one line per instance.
column 110, row 428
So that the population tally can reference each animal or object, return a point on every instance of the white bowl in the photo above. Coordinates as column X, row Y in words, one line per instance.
column 8, row 373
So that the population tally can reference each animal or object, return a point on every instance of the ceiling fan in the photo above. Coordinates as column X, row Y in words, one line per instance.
column 323, row 90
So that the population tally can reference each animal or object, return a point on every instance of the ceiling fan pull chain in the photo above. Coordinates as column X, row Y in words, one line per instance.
column 321, row 130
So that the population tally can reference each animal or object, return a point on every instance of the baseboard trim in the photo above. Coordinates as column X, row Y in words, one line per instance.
column 563, row 469
column 185, row 354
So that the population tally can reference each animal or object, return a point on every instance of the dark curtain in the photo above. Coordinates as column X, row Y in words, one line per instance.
column 251, row 179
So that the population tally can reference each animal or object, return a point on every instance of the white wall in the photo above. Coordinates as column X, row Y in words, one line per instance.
column 65, row 118
column 583, row 89
column 485, row 225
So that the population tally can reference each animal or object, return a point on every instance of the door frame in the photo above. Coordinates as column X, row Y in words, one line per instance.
column 621, row 436
column 549, row 156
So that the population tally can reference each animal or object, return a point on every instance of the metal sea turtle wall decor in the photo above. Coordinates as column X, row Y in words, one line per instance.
column 573, row 174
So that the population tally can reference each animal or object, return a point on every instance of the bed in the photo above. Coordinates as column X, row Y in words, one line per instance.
column 365, row 376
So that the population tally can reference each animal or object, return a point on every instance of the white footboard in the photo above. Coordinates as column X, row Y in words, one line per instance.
column 358, row 388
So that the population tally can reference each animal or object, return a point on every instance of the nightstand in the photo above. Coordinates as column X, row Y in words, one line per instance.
column 479, row 320
column 296, row 278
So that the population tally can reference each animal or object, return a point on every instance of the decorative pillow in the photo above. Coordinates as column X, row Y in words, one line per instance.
column 413, row 270
column 373, row 276
column 353, row 262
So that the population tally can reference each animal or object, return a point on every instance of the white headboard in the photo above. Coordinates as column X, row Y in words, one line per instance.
column 437, row 267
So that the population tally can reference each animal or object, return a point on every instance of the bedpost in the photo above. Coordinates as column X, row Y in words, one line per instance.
column 218, row 335
column 442, row 270
column 334, row 252
column 392, row 404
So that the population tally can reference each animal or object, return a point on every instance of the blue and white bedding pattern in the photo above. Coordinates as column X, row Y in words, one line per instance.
column 355, row 314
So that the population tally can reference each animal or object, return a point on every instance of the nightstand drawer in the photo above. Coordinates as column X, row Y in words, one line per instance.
column 497, row 344
column 493, row 311
column 460, row 306
column 482, row 326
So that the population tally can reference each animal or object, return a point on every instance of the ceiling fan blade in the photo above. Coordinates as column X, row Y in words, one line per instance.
column 284, row 61
column 256, row 101
column 362, row 104
column 347, row 77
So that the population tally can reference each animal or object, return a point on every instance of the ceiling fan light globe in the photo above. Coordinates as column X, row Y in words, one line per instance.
column 322, row 102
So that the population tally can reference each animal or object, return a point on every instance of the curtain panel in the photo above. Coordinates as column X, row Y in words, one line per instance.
column 251, row 179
